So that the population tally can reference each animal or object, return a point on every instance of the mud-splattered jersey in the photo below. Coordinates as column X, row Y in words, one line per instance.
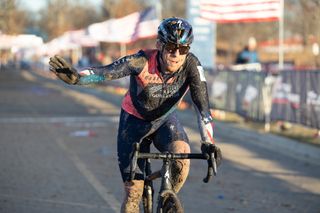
column 152, row 94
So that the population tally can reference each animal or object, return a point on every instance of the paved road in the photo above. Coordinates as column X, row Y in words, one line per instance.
column 58, row 154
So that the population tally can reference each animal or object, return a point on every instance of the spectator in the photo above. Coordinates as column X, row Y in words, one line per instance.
column 249, row 54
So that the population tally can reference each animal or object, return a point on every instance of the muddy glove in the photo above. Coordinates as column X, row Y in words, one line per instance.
column 212, row 148
column 63, row 70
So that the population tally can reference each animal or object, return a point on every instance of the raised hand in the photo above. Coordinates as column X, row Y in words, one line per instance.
column 63, row 70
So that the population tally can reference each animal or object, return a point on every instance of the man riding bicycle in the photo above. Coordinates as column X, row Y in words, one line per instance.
column 159, row 78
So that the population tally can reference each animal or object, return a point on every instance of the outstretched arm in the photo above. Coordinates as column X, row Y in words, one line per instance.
column 132, row 64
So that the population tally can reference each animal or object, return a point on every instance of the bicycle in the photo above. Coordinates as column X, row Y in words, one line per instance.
column 168, row 201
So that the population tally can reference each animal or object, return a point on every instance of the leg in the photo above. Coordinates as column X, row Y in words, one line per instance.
column 131, row 130
column 133, row 195
column 172, row 137
column 180, row 168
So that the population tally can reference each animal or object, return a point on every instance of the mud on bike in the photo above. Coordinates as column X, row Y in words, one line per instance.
column 168, row 201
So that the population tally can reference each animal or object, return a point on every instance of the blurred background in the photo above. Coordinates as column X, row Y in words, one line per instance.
column 51, row 19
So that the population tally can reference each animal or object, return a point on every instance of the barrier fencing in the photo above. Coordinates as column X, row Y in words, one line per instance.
column 292, row 96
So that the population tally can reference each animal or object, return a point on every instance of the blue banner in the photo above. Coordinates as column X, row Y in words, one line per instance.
column 204, row 44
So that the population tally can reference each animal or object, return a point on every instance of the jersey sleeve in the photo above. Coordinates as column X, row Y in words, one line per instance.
column 125, row 66
column 200, row 98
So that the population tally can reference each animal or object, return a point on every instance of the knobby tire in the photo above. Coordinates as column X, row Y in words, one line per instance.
column 169, row 203
column 147, row 198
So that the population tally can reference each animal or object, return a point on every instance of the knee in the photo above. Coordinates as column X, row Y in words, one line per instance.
column 179, row 147
column 180, row 168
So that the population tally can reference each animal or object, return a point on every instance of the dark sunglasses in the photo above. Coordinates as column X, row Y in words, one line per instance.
column 172, row 48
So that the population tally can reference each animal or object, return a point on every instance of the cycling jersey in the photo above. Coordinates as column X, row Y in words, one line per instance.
column 153, row 94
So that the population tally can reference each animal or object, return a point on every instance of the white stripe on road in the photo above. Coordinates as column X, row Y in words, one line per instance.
column 97, row 185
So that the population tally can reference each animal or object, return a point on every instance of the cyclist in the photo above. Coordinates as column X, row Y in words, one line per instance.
column 159, row 78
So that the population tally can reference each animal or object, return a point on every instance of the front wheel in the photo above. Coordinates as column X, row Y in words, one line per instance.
column 169, row 203
column 147, row 197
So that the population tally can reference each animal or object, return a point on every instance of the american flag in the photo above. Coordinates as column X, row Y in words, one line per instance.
column 227, row 11
column 126, row 29
column 147, row 24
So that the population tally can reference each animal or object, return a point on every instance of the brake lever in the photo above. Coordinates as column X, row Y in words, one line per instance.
column 212, row 168
column 214, row 162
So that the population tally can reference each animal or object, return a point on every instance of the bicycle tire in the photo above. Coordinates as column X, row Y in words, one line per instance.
column 169, row 203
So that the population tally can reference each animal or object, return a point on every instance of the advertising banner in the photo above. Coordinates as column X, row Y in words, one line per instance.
column 296, row 98
column 239, row 92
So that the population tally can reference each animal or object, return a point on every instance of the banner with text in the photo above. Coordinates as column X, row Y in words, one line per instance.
column 296, row 98
column 239, row 92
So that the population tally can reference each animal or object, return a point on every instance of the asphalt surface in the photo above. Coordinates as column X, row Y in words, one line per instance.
column 58, row 154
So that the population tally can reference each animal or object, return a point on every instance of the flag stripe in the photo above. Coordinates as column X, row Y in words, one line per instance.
column 240, row 8
column 237, row 2
column 237, row 16
column 224, row 11
column 127, row 29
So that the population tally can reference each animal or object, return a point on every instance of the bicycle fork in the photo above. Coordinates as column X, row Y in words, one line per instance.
column 148, row 190
column 166, row 185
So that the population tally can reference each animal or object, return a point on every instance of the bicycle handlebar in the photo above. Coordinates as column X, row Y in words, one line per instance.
column 212, row 164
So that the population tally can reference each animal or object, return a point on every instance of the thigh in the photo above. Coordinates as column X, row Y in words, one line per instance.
column 171, row 130
column 131, row 130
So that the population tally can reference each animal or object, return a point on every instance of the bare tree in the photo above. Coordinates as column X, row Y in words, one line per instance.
column 173, row 8
column 117, row 9
column 62, row 15
column 12, row 19
column 310, row 23
column 107, row 8
column 302, row 17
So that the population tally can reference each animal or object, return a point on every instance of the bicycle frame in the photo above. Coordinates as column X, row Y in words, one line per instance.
column 166, row 186
column 166, row 176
